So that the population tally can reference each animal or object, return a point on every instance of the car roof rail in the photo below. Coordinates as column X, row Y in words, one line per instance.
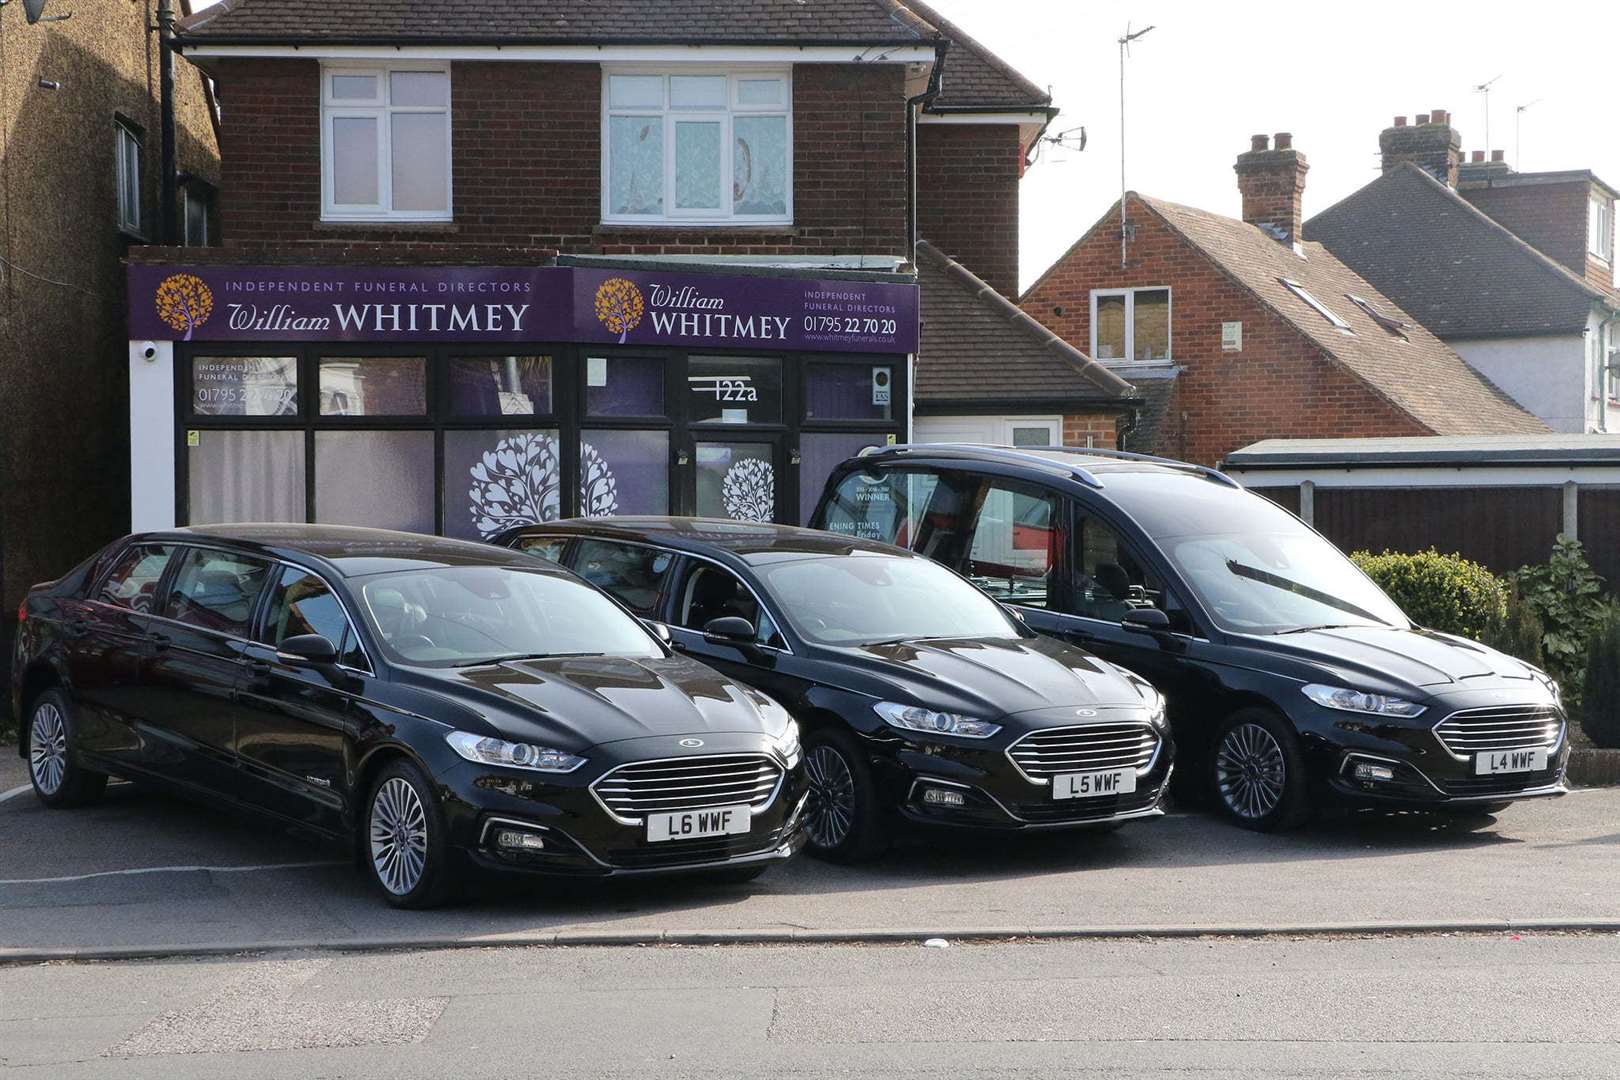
column 1033, row 455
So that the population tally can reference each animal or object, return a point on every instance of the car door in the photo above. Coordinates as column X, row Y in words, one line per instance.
column 107, row 646
column 297, row 724
column 199, row 638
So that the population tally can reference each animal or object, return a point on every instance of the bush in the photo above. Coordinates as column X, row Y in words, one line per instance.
column 1440, row 592
column 1521, row 632
column 1565, row 594
column 1600, row 694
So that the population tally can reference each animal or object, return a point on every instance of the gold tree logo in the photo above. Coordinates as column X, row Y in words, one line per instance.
column 619, row 306
column 184, row 302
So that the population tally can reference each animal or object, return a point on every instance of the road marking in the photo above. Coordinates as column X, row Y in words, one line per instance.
column 170, row 870
column 14, row 792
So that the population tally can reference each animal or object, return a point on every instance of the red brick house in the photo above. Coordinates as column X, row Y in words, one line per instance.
column 697, row 220
column 1235, row 330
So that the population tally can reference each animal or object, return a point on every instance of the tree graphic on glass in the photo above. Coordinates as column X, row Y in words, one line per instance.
column 184, row 301
column 619, row 306
column 748, row 490
column 518, row 483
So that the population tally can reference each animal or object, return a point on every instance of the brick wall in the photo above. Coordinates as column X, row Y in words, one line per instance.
column 1279, row 386
column 967, row 200
column 527, row 163
column 1100, row 430
column 1549, row 217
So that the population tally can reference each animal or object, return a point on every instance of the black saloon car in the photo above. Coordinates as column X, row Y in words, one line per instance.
column 446, row 705
column 1291, row 678
column 916, row 692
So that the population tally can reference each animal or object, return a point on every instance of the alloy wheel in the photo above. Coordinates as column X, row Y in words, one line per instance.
column 47, row 749
column 831, row 809
column 1251, row 771
column 398, row 836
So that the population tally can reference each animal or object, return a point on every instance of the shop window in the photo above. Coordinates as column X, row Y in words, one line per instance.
column 820, row 454
column 624, row 386
column 216, row 590
column 696, row 147
column 244, row 386
column 1017, row 537
column 736, row 480
column 127, row 163
column 734, row 390
column 633, row 574
column 132, row 582
column 381, row 479
column 849, row 391
column 1130, row 324
column 500, row 386
column 496, row 480
column 385, row 144
column 244, row 476
column 623, row 472
column 373, row 386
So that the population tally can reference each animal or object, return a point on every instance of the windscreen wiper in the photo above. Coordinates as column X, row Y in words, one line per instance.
column 510, row 657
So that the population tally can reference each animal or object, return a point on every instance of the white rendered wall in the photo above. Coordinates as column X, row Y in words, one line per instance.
column 1546, row 375
column 151, row 436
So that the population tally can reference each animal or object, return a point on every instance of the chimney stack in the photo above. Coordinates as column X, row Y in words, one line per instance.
column 1432, row 144
column 1271, row 178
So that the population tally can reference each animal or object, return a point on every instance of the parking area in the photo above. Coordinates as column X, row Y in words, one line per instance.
column 143, row 872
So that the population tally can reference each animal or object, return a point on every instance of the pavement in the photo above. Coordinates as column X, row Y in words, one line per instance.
column 1500, row 1006
column 143, row 874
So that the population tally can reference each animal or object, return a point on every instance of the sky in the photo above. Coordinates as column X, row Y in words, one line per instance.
column 1210, row 74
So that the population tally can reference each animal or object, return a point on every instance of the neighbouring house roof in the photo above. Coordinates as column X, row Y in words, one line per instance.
column 1455, row 269
column 978, row 348
column 1412, row 369
column 1436, row 451
column 976, row 79
column 557, row 22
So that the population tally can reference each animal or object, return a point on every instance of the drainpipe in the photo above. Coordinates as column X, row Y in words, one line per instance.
column 913, row 107
column 169, row 235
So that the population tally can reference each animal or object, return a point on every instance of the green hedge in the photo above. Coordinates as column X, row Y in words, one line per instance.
column 1447, row 593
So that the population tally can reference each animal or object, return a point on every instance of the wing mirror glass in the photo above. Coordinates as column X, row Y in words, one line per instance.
column 659, row 630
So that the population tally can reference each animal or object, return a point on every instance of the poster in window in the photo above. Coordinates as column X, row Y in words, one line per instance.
column 244, row 386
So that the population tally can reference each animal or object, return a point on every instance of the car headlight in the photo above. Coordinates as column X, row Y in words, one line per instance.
column 787, row 743
column 917, row 718
column 487, row 751
column 1359, row 701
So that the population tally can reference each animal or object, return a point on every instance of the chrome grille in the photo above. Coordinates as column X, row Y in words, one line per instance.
column 695, row 783
column 1042, row 755
column 1503, row 727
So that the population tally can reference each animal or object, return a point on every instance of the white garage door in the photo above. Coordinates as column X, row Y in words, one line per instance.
column 993, row 430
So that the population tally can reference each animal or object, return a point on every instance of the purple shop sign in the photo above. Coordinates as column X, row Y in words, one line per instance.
column 519, row 304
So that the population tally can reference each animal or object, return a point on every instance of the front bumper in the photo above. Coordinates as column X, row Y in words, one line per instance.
column 997, row 796
column 578, row 837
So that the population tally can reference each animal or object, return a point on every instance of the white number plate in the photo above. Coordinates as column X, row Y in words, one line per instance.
column 1509, row 761
column 690, row 824
column 1089, row 785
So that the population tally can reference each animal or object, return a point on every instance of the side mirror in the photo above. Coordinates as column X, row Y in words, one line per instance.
column 308, row 650
column 1146, row 621
column 659, row 630
column 733, row 630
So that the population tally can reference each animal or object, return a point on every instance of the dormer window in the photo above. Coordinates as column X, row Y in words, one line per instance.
column 1316, row 305
column 385, row 142
column 686, row 147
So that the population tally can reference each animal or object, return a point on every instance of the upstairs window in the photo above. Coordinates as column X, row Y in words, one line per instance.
column 127, row 162
column 197, row 211
column 1600, row 229
column 1130, row 324
column 1316, row 305
column 385, row 143
column 697, row 147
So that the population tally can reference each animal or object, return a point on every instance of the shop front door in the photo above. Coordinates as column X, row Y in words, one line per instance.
column 741, row 476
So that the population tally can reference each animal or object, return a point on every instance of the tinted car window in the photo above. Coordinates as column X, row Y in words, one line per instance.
column 887, row 507
column 634, row 574
column 1112, row 581
column 474, row 614
column 712, row 593
column 216, row 590
column 866, row 597
column 301, row 603
column 133, row 580
column 547, row 547
column 1017, row 538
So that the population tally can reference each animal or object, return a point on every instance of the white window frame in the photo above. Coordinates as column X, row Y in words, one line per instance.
column 1130, row 323
column 1316, row 305
column 380, row 110
column 724, row 216
column 127, row 148
column 1600, row 228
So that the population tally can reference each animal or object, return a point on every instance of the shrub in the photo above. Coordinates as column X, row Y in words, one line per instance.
column 1565, row 594
column 1441, row 592
column 1521, row 632
column 1600, row 694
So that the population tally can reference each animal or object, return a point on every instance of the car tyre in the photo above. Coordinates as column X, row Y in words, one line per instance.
column 404, row 843
column 842, row 820
column 1256, row 772
column 60, row 782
